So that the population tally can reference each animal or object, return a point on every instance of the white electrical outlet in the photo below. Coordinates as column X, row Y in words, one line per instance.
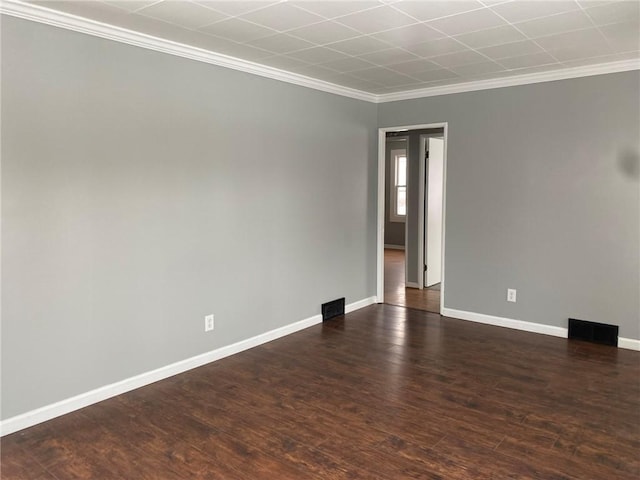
column 511, row 295
column 208, row 323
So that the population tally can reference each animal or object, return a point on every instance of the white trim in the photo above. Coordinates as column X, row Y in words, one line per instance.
column 540, row 77
column 365, row 302
column 37, row 13
column 421, row 177
column 444, row 212
column 67, row 21
column 506, row 322
column 629, row 343
column 413, row 285
column 77, row 402
column 382, row 154
column 626, row 343
column 393, row 247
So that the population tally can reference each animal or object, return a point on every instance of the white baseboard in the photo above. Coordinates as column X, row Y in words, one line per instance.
column 506, row 322
column 394, row 247
column 360, row 304
column 77, row 402
column 411, row 284
column 629, row 343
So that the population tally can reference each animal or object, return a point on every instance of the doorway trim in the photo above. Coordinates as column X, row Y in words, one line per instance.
column 382, row 131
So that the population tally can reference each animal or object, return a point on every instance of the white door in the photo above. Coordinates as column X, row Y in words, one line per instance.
column 433, row 212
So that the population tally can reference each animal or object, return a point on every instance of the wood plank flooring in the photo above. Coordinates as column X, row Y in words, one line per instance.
column 382, row 393
column 395, row 292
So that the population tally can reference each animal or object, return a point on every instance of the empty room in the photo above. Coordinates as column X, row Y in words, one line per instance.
column 320, row 239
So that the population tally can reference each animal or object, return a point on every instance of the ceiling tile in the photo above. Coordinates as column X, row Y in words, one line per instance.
column 510, row 49
column 376, row 19
column 603, row 59
column 360, row 45
column 348, row 64
column 531, row 60
column 281, row 43
column 436, row 47
column 491, row 36
column 615, row 12
column 238, row 30
column 282, row 16
column 563, row 22
column 245, row 52
column 635, row 55
column 383, row 76
column 467, row 22
column 521, row 10
column 202, row 40
column 587, row 36
column 490, row 3
column 408, row 35
column 235, row 7
column 414, row 66
column 283, row 62
column 318, row 55
column 386, row 57
column 388, row 49
column 101, row 12
column 529, row 70
column 354, row 82
column 593, row 3
column 404, row 88
column 434, row 75
column 184, row 14
column 623, row 37
column 316, row 71
column 325, row 32
column 459, row 58
column 477, row 69
column 429, row 10
column 581, row 51
column 332, row 9
column 130, row 5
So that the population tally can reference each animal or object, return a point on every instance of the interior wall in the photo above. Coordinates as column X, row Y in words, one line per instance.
column 393, row 231
column 542, row 195
column 142, row 191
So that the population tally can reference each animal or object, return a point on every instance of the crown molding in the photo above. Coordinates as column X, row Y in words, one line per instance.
column 67, row 21
column 563, row 74
column 37, row 13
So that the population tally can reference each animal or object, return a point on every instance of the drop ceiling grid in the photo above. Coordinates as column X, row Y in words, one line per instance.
column 374, row 69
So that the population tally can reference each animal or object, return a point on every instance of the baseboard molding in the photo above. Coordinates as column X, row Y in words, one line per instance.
column 394, row 247
column 365, row 302
column 506, row 322
column 626, row 343
column 48, row 412
column 412, row 284
column 629, row 343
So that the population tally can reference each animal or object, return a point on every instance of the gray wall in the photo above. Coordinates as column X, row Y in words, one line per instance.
column 538, row 198
column 141, row 191
column 393, row 231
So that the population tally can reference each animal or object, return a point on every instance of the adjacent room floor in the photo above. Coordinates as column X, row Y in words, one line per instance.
column 382, row 393
column 395, row 292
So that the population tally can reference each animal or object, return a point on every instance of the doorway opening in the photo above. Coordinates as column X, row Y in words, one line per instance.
column 411, row 205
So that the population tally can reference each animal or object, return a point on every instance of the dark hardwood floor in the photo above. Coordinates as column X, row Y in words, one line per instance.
column 383, row 393
column 395, row 292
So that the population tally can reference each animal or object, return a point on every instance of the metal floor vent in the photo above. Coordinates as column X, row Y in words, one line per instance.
column 332, row 309
column 593, row 332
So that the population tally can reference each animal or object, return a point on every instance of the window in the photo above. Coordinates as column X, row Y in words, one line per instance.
column 398, row 211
